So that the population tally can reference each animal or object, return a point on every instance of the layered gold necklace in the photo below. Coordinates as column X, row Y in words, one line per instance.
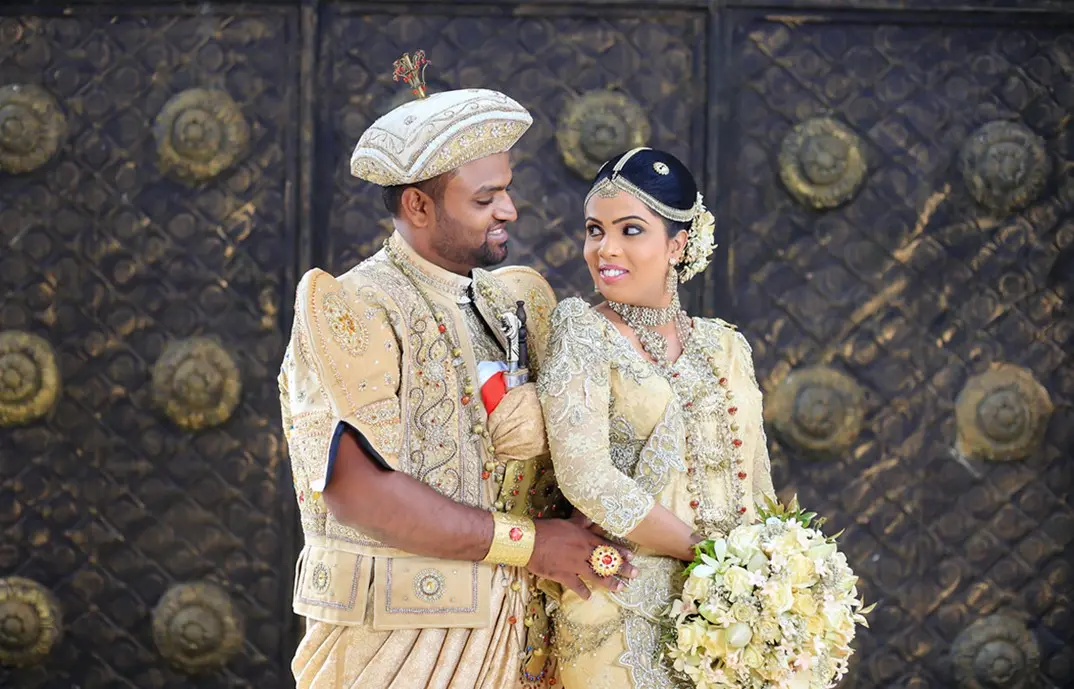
column 643, row 321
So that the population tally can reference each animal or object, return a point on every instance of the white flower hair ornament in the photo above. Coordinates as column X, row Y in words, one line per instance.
column 700, row 241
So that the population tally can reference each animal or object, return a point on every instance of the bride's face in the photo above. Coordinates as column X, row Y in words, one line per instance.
column 628, row 250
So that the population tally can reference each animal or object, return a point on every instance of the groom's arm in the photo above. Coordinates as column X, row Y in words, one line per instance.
column 401, row 511
column 405, row 513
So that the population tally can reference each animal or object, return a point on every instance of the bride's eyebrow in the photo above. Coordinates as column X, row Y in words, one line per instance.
column 629, row 217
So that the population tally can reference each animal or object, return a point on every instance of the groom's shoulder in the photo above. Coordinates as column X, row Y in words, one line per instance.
column 526, row 284
column 365, row 283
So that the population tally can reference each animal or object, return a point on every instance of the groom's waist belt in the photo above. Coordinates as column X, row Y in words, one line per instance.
column 348, row 584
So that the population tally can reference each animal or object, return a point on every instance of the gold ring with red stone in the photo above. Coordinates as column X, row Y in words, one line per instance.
column 605, row 561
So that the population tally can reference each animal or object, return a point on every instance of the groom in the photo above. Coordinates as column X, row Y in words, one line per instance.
column 416, row 503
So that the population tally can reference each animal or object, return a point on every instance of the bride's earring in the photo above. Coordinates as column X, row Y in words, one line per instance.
column 671, row 283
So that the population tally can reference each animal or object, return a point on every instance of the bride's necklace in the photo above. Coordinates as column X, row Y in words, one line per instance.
column 644, row 319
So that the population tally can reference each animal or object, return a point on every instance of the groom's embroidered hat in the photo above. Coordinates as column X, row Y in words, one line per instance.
column 435, row 134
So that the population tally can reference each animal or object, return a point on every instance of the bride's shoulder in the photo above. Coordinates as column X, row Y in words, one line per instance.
column 576, row 319
column 574, row 309
column 725, row 335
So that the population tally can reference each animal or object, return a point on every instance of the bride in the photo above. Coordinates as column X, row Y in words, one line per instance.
column 654, row 417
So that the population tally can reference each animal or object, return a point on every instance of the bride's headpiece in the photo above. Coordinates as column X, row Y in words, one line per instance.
column 700, row 237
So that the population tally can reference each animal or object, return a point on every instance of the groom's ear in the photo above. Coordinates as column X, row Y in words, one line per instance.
column 417, row 208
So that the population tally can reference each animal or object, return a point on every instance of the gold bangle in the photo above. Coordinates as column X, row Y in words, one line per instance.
column 512, row 540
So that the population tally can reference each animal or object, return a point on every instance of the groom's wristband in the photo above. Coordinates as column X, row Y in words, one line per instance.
column 512, row 540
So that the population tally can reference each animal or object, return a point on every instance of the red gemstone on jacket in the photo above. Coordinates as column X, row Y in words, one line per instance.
column 515, row 533
column 736, row 442
column 732, row 411
column 442, row 328
column 742, row 510
column 694, row 504
column 742, row 474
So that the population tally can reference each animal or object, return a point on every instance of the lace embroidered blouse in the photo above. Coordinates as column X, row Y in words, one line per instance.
column 623, row 436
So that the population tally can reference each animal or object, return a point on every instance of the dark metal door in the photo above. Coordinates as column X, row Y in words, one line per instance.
column 899, row 190
column 881, row 250
column 146, row 233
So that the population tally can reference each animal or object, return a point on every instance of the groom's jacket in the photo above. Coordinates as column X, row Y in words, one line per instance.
column 389, row 349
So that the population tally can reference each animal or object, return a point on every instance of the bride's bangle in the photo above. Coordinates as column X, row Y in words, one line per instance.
column 513, row 538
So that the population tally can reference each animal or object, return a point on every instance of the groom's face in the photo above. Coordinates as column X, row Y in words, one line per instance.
column 472, row 215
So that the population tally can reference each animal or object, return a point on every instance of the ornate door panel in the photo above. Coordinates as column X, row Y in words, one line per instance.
column 903, row 270
column 582, row 77
column 146, row 259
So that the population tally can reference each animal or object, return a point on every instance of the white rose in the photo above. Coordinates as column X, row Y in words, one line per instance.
column 697, row 588
column 758, row 562
column 738, row 635
column 743, row 611
column 744, row 541
column 690, row 637
column 715, row 642
column 737, row 581
column 752, row 657
column 802, row 571
column 780, row 596
column 768, row 629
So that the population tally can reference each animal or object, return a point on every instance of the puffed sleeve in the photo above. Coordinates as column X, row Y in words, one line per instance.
column 762, row 466
column 342, row 368
column 574, row 391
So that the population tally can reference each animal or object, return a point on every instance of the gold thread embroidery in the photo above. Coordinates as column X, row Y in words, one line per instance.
column 344, row 325
column 429, row 585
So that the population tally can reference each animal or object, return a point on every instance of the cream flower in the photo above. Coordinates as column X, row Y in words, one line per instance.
column 738, row 635
column 744, row 542
column 743, row 611
column 804, row 604
column 737, row 581
column 780, row 596
column 802, row 571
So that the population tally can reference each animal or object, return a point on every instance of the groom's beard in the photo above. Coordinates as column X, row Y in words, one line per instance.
column 449, row 241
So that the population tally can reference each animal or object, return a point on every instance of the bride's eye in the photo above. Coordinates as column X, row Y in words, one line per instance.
column 632, row 230
column 593, row 231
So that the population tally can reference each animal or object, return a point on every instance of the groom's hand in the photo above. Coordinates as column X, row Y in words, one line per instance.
column 561, row 553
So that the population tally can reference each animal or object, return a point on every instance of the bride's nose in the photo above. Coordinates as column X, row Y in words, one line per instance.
column 608, row 247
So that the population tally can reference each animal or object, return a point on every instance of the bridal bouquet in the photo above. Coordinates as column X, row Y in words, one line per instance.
column 772, row 605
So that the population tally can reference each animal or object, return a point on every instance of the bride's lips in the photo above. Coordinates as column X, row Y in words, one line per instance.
column 612, row 273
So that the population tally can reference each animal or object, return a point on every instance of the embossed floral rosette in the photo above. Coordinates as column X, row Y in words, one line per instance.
column 772, row 605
